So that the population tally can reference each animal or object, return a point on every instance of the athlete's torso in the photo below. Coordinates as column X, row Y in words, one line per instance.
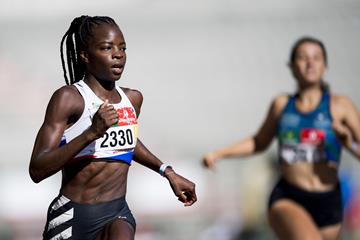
column 100, row 172
column 119, row 141
column 309, row 152
column 308, row 137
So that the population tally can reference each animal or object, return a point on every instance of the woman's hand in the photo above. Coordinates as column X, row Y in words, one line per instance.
column 182, row 188
column 103, row 119
column 343, row 133
column 209, row 160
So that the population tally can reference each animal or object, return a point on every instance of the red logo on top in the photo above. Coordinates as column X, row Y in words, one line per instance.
column 312, row 136
column 127, row 116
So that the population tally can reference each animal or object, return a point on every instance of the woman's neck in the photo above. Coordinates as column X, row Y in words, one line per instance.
column 309, row 98
column 103, row 89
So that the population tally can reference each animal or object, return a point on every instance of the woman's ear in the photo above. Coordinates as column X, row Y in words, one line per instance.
column 84, row 56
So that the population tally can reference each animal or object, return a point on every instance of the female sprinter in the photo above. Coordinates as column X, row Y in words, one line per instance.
column 90, row 134
column 311, row 127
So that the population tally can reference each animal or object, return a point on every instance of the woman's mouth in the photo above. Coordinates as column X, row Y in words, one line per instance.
column 117, row 69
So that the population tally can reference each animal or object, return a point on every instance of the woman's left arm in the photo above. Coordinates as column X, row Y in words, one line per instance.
column 347, row 125
column 182, row 188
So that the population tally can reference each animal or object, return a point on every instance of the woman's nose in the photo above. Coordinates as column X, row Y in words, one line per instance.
column 119, row 53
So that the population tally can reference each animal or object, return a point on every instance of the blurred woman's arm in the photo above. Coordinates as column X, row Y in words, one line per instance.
column 254, row 144
column 347, row 126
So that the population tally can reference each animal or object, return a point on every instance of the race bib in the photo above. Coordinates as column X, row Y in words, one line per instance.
column 309, row 148
column 118, row 138
column 301, row 153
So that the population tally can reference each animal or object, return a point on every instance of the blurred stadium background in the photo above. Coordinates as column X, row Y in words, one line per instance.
column 208, row 70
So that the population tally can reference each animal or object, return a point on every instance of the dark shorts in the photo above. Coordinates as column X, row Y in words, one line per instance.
column 325, row 207
column 69, row 220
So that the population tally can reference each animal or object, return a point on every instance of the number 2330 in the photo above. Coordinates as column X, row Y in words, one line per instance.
column 115, row 138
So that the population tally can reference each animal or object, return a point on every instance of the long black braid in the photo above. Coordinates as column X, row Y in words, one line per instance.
column 76, row 39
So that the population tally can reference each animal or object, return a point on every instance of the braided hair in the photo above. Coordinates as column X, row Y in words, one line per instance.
column 76, row 39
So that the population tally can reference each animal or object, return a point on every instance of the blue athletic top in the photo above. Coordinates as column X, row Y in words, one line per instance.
column 308, row 137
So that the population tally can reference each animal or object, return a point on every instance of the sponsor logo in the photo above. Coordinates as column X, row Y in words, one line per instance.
column 290, row 120
column 312, row 136
column 321, row 121
column 127, row 116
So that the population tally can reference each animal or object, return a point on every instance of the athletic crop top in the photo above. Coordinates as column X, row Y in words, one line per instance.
column 308, row 137
column 119, row 141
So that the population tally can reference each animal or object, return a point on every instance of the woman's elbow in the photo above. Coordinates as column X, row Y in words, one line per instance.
column 35, row 175
column 260, row 148
column 261, row 145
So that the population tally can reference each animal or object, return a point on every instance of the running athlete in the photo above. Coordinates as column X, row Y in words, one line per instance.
column 90, row 133
column 311, row 127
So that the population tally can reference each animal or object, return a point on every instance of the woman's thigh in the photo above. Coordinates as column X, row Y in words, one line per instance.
column 331, row 232
column 117, row 230
column 290, row 221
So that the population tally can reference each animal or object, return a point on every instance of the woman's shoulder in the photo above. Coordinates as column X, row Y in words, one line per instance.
column 135, row 97
column 340, row 100
column 342, row 108
column 67, row 99
column 281, row 99
column 66, row 93
column 67, row 90
column 133, row 94
column 340, row 103
column 279, row 102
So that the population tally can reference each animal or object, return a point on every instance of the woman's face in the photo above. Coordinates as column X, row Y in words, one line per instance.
column 105, row 57
column 309, row 64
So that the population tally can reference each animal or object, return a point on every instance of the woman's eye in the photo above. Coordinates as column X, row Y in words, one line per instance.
column 319, row 58
column 106, row 48
column 300, row 57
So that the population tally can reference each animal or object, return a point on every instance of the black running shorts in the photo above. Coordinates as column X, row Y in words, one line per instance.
column 324, row 207
column 69, row 220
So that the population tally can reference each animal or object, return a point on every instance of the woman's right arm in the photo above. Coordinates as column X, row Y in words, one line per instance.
column 254, row 144
column 48, row 157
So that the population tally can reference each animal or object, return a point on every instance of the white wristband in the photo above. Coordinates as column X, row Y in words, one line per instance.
column 354, row 146
column 162, row 169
